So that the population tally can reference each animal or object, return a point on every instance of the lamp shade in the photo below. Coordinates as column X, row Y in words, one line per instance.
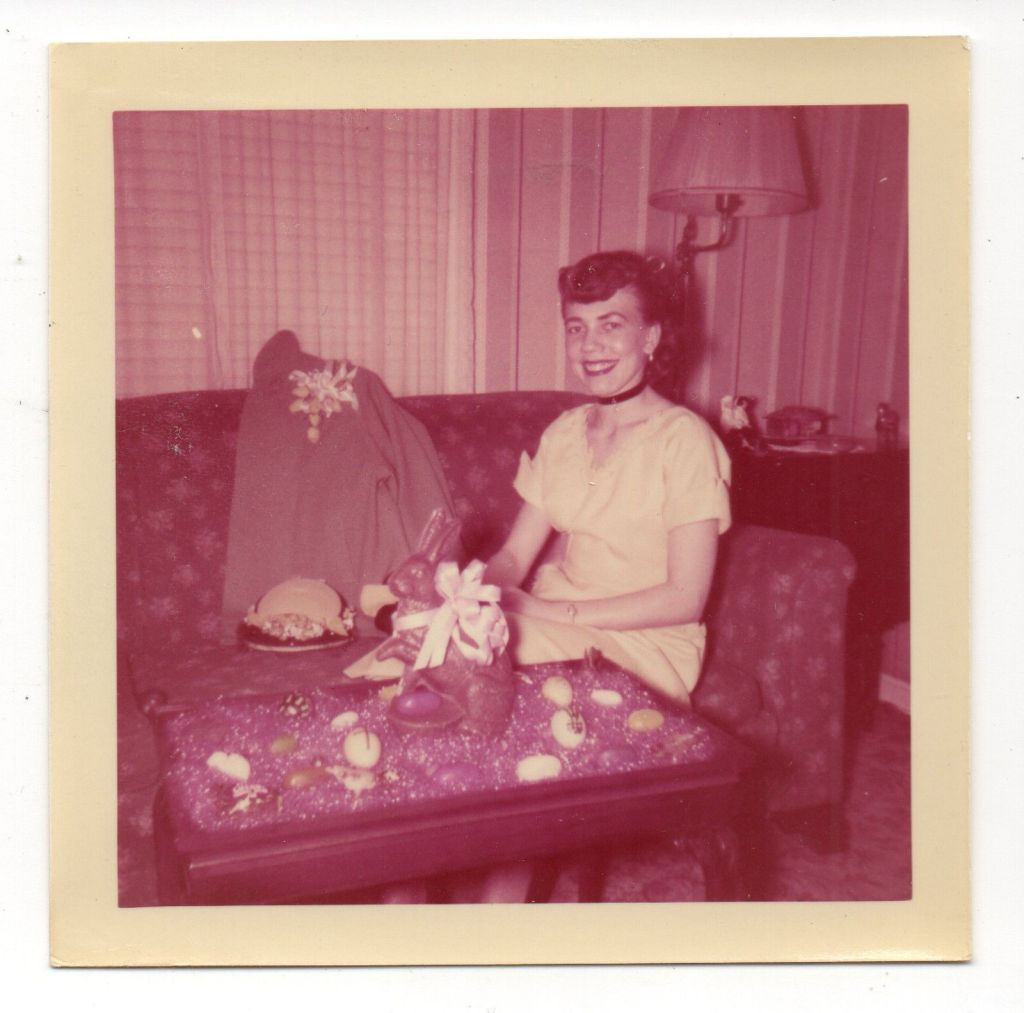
column 749, row 152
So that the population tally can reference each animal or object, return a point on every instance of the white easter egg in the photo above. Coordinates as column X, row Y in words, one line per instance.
column 568, row 733
column 344, row 720
column 232, row 764
column 558, row 690
column 538, row 767
column 606, row 697
column 362, row 748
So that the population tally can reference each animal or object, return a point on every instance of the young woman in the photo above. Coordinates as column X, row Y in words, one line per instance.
column 638, row 486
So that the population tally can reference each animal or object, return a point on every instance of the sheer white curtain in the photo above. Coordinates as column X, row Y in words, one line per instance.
column 352, row 228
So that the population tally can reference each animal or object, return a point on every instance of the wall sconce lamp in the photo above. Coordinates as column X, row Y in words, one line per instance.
column 731, row 162
column 727, row 162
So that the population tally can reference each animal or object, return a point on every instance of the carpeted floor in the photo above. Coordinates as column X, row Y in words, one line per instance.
column 876, row 865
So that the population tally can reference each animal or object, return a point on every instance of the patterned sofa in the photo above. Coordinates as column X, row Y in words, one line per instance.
column 774, row 672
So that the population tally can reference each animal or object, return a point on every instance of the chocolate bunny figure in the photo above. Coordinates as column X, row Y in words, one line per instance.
column 460, row 691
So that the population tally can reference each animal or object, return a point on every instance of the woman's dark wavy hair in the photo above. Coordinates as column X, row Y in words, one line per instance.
column 601, row 275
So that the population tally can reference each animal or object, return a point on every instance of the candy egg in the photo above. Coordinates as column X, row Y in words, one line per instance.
column 344, row 720
column 538, row 767
column 458, row 774
column 417, row 704
column 679, row 746
column 362, row 748
column 606, row 697
column 356, row 781
column 284, row 744
column 645, row 720
column 305, row 777
column 568, row 729
column 296, row 705
column 616, row 757
column 248, row 796
column 231, row 764
column 558, row 690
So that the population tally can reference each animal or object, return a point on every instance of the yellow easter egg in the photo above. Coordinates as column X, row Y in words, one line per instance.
column 645, row 720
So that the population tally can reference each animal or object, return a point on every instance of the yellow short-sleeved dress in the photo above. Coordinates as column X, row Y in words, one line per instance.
column 671, row 470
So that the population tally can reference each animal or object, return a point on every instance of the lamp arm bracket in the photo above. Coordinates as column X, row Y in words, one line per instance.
column 687, row 249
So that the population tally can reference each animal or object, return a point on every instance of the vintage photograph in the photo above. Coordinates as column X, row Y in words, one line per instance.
column 512, row 505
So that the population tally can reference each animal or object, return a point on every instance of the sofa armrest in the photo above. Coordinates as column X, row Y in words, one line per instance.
column 775, row 669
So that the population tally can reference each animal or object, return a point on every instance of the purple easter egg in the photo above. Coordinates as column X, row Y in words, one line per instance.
column 615, row 757
column 458, row 774
column 417, row 704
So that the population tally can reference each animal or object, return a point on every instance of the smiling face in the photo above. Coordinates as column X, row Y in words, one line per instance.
column 608, row 342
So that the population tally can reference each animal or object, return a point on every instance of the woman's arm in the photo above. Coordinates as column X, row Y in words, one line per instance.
column 509, row 566
column 692, row 550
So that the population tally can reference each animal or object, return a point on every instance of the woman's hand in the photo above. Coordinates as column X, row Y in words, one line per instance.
column 680, row 599
column 515, row 599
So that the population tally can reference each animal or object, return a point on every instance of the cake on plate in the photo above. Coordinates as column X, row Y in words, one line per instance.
column 298, row 614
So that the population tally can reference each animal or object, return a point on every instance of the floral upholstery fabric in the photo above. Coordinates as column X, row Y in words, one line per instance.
column 175, row 459
column 774, row 672
column 480, row 439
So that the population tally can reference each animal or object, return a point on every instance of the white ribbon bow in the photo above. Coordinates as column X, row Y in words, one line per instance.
column 469, row 616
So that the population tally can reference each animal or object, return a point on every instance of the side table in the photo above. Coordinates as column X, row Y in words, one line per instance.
column 861, row 499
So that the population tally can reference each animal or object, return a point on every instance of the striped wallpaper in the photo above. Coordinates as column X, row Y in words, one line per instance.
column 805, row 309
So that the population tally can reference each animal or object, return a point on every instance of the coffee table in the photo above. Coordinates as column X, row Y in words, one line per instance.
column 713, row 799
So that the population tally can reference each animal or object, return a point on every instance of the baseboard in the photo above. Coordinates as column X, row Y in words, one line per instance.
column 895, row 692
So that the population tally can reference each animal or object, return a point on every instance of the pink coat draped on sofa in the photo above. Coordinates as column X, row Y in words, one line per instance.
column 346, row 509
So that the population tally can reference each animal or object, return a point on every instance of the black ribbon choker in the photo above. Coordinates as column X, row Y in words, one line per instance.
column 625, row 395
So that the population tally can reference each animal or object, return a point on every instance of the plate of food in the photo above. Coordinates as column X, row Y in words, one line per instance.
column 298, row 615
